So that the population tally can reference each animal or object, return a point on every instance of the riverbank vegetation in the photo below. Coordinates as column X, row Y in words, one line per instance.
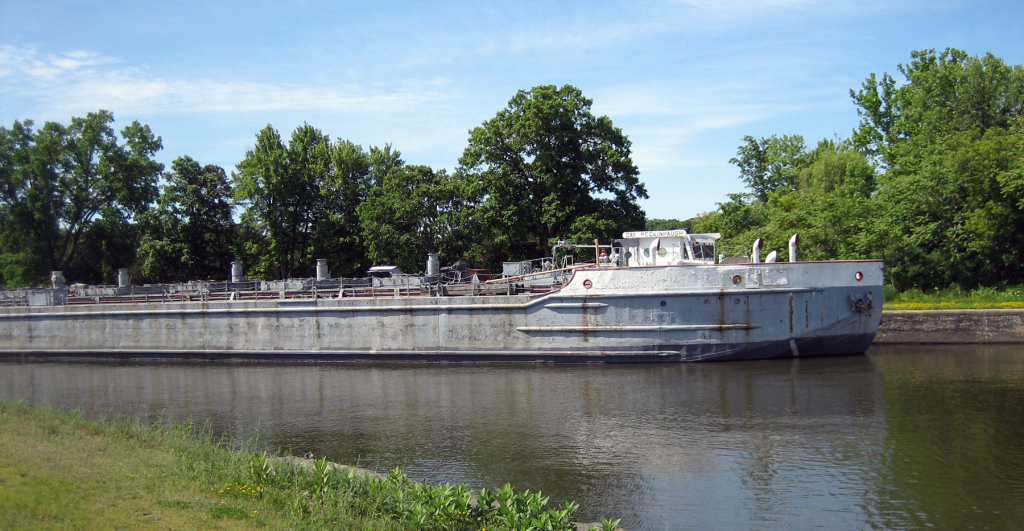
column 931, row 181
column 954, row 298
column 62, row 471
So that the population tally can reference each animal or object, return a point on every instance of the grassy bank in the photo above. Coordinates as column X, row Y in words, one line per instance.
column 955, row 298
column 62, row 471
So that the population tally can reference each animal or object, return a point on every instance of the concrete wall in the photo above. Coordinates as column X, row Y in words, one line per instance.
column 951, row 326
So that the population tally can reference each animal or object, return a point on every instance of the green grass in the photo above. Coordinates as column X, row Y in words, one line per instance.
column 62, row 471
column 955, row 298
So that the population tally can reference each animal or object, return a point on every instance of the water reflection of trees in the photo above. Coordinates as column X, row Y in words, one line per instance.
column 954, row 457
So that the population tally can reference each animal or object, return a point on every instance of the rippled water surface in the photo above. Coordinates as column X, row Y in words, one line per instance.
column 904, row 438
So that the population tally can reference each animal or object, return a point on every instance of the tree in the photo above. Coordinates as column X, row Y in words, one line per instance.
column 944, row 93
column 60, row 180
column 190, row 233
column 668, row 224
column 833, row 167
column 949, row 138
column 769, row 164
column 23, row 259
column 339, row 236
column 825, row 195
column 412, row 211
column 299, row 203
column 546, row 169
column 279, row 186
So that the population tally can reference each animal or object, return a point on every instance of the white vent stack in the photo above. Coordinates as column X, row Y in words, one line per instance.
column 236, row 272
column 755, row 252
column 793, row 242
column 772, row 257
column 124, row 280
column 322, row 271
column 433, row 267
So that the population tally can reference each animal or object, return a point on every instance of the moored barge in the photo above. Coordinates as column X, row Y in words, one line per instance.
column 655, row 296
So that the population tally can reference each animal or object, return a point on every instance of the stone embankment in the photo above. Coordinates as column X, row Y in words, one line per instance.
column 951, row 326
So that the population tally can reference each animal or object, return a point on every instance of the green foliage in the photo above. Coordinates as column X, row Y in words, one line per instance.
column 190, row 233
column 668, row 224
column 954, row 296
column 299, row 203
column 546, row 168
column 412, row 211
column 952, row 140
column 108, row 245
column 953, row 211
column 769, row 164
column 944, row 93
column 260, row 471
column 57, row 182
column 526, row 511
column 321, row 485
column 932, row 180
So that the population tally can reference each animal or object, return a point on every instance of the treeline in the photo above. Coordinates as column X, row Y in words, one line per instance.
column 80, row 199
column 932, row 179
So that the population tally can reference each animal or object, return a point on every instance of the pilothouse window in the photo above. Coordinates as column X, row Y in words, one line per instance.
column 703, row 251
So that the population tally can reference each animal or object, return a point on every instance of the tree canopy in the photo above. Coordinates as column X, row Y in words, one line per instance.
column 545, row 168
column 931, row 180
column 412, row 211
column 59, row 181
column 190, row 234
column 299, row 202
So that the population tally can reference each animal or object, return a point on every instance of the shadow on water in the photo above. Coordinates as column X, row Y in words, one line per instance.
column 902, row 438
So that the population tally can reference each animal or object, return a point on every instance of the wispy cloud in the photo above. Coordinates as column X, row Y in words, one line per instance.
column 83, row 80
column 46, row 68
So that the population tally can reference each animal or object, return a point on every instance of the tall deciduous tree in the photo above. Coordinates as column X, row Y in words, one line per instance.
column 769, row 164
column 279, row 186
column 60, row 180
column 23, row 259
column 299, row 203
column 190, row 233
column 412, row 211
column 547, row 168
column 949, row 138
column 943, row 93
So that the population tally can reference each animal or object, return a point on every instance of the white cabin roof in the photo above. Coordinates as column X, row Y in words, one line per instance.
column 709, row 237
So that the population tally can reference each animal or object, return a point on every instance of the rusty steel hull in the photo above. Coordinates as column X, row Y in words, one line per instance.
column 658, row 313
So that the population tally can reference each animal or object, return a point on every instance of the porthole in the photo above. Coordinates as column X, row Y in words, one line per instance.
column 587, row 284
column 859, row 276
column 663, row 303
column 736, row 279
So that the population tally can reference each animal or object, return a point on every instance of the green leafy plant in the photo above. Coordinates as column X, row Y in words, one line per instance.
column 260, row 471
column 321, row 478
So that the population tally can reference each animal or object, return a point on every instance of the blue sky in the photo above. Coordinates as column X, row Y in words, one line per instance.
column 684, row 79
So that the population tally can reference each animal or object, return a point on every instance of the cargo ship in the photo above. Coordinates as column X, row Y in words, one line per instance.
column 653, row 296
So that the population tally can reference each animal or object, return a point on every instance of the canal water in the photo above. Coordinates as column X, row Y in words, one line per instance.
column 907, row 437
